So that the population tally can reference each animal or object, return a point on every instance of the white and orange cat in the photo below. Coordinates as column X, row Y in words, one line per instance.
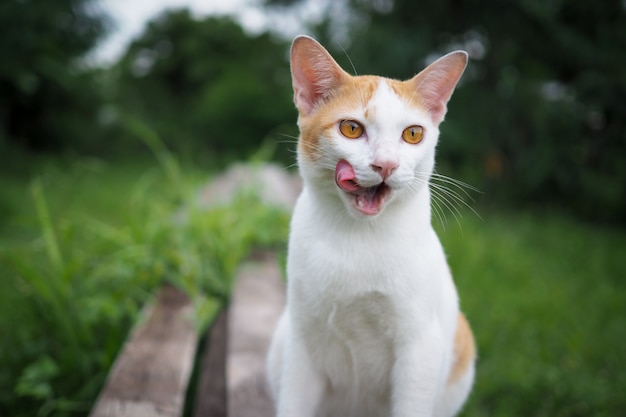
column 372, row 325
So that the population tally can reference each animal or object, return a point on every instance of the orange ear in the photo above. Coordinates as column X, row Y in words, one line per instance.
column 314, row 73
column 435, row 84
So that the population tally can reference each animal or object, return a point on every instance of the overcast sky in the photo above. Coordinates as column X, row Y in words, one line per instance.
column 129, row 18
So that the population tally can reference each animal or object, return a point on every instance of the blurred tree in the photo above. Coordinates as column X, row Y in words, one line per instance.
column 206, row 84
column 47, row 101
column 541, row 111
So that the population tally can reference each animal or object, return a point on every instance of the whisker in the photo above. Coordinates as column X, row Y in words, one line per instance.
column 457, row 198
column 449, row 192
column 436, row 208
column 454, row 210
column 288, row 136
column 285, row 142
column 438, row 202
column 446, row 193
column 458, row 184
column 348, row 57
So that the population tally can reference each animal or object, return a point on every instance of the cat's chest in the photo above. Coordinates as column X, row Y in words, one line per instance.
column 353, row 338
column 360, row 319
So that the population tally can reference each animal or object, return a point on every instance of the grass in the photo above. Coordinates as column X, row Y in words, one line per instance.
column 83, row 247
column 84, row 243
column 546, row 300
column 65, row 307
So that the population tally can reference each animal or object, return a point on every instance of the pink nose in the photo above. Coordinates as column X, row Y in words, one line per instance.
column 384, row 167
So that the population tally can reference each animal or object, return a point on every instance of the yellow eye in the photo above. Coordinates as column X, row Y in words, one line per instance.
column 413, row 134
column 351, row 129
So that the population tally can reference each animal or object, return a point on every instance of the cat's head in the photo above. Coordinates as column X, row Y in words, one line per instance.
column 368, row 140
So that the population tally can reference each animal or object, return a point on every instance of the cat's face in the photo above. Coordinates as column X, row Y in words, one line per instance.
column 368, row 140
column 370, row 144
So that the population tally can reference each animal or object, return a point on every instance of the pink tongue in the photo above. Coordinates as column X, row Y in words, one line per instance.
column 344, row 177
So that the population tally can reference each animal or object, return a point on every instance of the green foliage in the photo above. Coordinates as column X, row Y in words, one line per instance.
column 538, row 118
column 71, row 291
column 47, row 101
column 73, row 302
column 545, row 299
column 205, row 84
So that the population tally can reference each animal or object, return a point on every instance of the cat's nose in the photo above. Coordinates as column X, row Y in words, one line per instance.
column 384, row 168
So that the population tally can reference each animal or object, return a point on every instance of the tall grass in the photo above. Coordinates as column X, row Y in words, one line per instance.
column 72, row 289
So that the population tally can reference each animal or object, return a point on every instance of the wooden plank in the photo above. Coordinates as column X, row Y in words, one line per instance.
column 150, row 376
column 257, row 302
column 210, row 398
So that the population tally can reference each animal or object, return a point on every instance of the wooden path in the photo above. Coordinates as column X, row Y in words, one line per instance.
column 256, row 306
column 150, row 377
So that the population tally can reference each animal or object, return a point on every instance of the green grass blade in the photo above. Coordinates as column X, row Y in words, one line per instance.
column 49, row 235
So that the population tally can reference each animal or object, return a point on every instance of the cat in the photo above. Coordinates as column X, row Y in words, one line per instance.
column 372, row 324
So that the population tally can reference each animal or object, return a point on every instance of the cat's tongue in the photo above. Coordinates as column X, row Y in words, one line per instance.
column 344, row 177
column 368, row 200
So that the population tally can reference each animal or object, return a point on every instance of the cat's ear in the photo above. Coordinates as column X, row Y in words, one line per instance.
column 435, row 84
column 314, row 73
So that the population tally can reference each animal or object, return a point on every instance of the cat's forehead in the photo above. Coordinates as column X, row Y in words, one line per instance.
column 379, row 98
column 393, row 100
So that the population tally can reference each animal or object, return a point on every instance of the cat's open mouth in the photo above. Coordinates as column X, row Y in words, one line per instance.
column 367, row 200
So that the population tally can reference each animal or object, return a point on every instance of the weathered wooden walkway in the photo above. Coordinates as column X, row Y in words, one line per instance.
column 244, row 331
column 151, row 375
column 257, row 303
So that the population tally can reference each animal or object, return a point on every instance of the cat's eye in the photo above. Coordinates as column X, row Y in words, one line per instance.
column 413, row 134
column 351, row 129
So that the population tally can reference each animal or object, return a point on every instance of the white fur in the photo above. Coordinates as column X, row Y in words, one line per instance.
column 372, row 310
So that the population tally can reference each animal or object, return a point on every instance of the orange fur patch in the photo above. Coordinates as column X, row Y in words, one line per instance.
column 354, row 93
column 464, row 349
column 406, row 90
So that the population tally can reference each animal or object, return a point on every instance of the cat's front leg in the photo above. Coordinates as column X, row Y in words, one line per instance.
column 301, row 387
column 417, row 373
